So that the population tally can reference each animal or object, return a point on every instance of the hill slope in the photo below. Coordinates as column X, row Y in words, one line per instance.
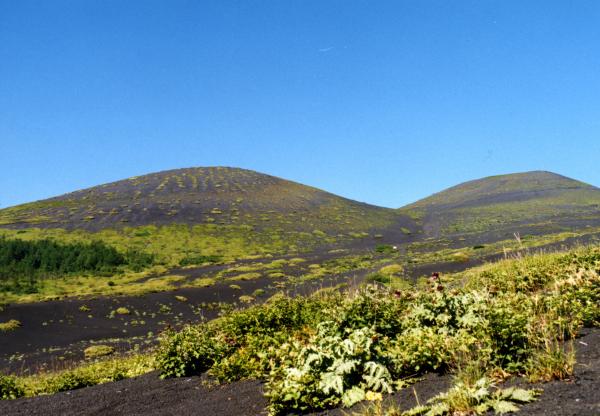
column 216, row 195
column 527, row 201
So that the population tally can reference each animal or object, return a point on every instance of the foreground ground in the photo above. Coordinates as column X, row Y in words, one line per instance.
column 148, row 395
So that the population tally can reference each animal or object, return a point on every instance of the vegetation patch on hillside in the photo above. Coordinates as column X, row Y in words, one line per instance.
column 23, row 264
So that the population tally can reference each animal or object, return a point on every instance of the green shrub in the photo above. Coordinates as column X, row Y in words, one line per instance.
column 192, row 350
column 9, row 389
column 384, row 248
column 122, row 311
column 508, row 333
column 384, row 279
column 69, row 380
column 197, row 348
column 332, row 369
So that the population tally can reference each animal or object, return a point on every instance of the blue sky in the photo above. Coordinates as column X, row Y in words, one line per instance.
column 383, row 102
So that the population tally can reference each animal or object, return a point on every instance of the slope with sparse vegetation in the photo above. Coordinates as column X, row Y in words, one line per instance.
column 539, row 202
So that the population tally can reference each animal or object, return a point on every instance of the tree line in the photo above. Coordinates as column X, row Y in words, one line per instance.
column 31, row 260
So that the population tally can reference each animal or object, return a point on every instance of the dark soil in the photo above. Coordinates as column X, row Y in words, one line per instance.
column 148, row 395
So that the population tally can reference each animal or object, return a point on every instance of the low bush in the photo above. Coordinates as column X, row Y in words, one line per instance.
column 333, row 368
column 9, row 389
column 248, row 333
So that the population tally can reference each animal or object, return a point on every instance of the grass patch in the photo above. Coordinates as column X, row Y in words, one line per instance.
column 10, row 325
column 96, row 351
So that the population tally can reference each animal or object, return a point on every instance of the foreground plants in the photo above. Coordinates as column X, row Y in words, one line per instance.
column 336, row 350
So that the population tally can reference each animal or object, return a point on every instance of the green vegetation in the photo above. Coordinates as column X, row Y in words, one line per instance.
column 9, row 325
column 24, row 263
column 478, row 398
column 384, row 248
column 391, row 276
column 203, row 243
column 9, row 389
column 95, row 351
column 333, row 350
column 89, row 374
column 341, row 265
column 122, row 311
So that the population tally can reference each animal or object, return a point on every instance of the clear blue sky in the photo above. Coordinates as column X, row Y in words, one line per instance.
column 383, row 102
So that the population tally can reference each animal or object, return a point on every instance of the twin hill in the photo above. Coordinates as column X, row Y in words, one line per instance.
column 488, row 209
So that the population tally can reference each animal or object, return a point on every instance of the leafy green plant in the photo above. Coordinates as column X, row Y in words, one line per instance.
column 331, row 369
column 478, row 398
column 247, row 333
column 9, row 389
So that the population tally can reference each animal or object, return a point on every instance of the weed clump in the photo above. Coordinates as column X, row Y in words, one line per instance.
column 96, row 351
column 10, row 325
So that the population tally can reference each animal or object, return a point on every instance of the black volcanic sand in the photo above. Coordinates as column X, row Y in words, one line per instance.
column 148, row 395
